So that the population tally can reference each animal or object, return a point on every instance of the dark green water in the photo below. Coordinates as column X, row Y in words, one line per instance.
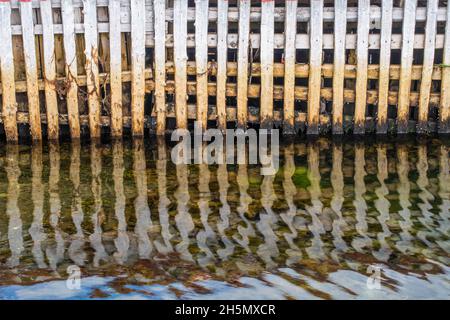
column 139, row 226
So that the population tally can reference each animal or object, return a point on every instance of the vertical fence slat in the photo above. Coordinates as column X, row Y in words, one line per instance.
column 315, row 65
column 160, row 65
column 362, row 54
column 242, row 79
column 180, row 60
column 201, row 60
column 427, row 66
column 49, row 70
column 385, row 61
column 29, row 50
column 409, row 22
column 340, row 28
column 115, row 58
column 267, row 57
column 91, row 65
column 137, row 66
column 9, row 105
column 222, row 54
column 444, row 108
column 290, row 33
column 67, row 13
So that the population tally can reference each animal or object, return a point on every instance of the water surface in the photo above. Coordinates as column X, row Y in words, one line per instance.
column 139, row 226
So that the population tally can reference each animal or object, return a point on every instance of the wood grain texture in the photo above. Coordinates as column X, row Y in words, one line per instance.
column 51, row 102
column 180, row 61
column 362, row 56
column 137, row 66
column 315, row 63
column 9, row 105
column 29, row 52
column 71, row 67
column 385, row 60
column 340, row 26
column 201, row 58
column 115, row 66
column 91, row 66
column 427, row 66
column 242, row 57
column 290, row 32
column 267, row 59
column 222, row 57
column 160, row 65
column 444, row 109
column 409, row 23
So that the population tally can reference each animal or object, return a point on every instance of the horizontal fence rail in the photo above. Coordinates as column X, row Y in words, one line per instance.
column 93, row 66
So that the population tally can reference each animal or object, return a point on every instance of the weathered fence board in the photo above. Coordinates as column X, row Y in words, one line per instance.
column 362, row 56
column 201, row 59
column 160, row 65
column 428, row 62
column 340, row 27
column 385, row 60
column 315, row 64
column 29, row 51
column 180, row 61
column 68, row 19
column 9, row 105
column 444, row 111
column 222, row 57
column 242, row 57
column 51, row 102
column 290, row 32
column 409, row 23
column 339, row 66
column 137, row 66
column 91, row 66
column 115, row 58
column 267, row 47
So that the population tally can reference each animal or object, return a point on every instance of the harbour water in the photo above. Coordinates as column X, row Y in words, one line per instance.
column 340, row 220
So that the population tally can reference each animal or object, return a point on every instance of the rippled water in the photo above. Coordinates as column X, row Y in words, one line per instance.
column 139, row 226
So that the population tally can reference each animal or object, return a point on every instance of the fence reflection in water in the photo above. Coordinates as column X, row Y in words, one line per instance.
column 125, row 208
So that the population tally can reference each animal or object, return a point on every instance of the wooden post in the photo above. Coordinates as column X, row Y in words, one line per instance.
column 222, row 58
column 160, row 65
column 115, row 58
column 137, row 66
column 340, row 30
column 29, row 50
column 315, row 65
column 266, row 49
column 362, row 54
column 290, row 33
column 71, row 67
column 242, row 78
column 9, row 105
column 427, row 65
column 385, row 61
column 49, row 70
column 201, row 60
column 91, row 66
column 444, row 109
column 180, row 60
column 409, row 23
